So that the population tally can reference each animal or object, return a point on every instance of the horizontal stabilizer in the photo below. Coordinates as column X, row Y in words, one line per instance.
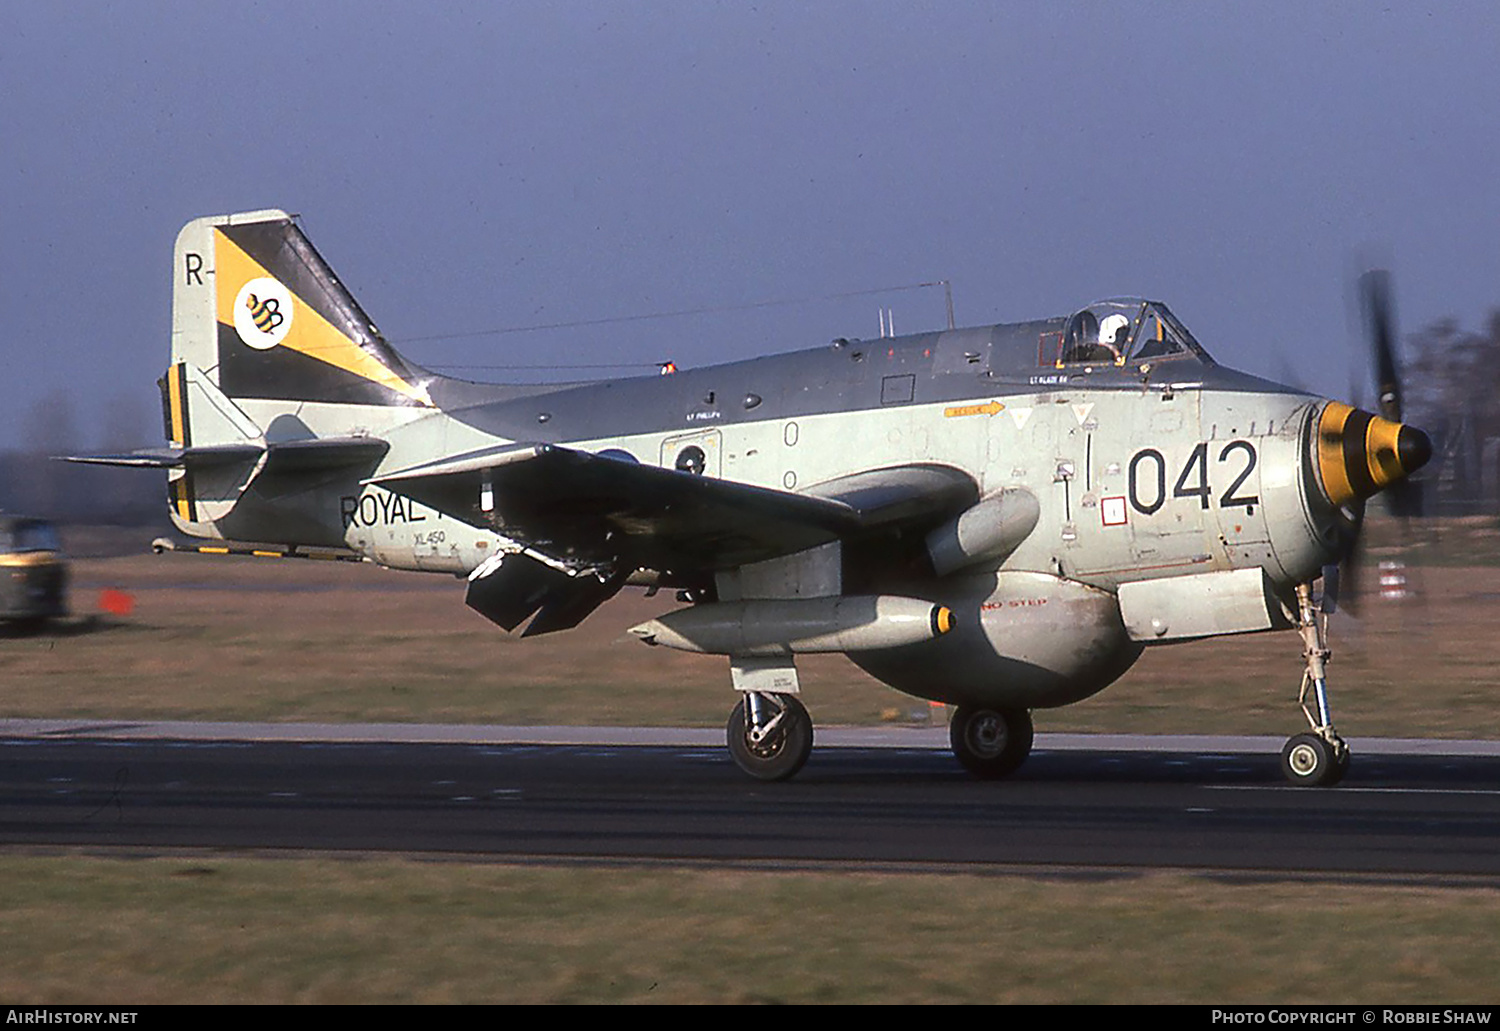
column 325, row 453
column 289, row 456
column 480, row 461
column 176, row 457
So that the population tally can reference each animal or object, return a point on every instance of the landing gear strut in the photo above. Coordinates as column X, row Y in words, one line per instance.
column 770, row 735
column 990, row 743
column 1319, row 757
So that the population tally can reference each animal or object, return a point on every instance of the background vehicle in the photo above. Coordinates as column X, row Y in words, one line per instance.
column 33, row 587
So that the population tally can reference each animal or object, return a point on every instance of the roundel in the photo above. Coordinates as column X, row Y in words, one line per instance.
column 263, row 313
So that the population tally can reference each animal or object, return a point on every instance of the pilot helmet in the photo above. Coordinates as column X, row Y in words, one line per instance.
column 1112, row 330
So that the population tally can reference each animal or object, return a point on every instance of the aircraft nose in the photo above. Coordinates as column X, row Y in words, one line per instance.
column 1360, row 454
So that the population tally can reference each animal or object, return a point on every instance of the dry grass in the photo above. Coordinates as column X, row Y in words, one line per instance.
column 80, row 929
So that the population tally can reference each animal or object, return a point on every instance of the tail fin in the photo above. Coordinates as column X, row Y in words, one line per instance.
column 258, row 310
column 278, row 388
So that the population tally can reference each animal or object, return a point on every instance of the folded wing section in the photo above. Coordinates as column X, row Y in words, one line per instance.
column 587, row 521
column 597, row 508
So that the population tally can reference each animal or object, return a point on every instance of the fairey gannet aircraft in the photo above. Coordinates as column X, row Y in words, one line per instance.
column 999, row 517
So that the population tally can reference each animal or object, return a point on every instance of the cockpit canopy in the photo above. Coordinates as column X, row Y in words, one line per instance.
column 1126, row 331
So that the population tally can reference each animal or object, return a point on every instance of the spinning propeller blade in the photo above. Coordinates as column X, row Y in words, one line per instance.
column 1380, row 327
column 1403, row 496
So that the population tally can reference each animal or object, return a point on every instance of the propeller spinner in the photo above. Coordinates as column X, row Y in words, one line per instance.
column 1360, row 454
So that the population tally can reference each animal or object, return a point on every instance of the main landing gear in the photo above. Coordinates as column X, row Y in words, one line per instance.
column 990, row 743
column 1319, row 757
column 770, row 735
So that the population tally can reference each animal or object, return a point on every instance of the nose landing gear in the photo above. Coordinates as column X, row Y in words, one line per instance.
column 1319, row 757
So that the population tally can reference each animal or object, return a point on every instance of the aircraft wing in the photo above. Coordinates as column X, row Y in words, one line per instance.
column 598, row 508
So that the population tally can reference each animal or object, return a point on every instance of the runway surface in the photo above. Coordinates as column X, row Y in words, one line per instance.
column 876, row 796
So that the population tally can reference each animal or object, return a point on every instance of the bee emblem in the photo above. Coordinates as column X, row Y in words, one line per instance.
column 263, row 313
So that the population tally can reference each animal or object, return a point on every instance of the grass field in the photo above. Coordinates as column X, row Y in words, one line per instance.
column 224, row 929
column 277, row 640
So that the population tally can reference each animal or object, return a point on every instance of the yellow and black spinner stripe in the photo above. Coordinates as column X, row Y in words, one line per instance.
column 1360, row 454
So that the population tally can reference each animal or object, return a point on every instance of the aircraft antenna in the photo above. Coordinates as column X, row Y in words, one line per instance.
column 712, row 310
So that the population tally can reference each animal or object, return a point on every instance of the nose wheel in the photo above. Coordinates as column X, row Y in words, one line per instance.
column 1314, row 761
column 1318, row 757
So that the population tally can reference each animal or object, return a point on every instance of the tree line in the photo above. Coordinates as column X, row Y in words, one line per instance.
column 1452, row 385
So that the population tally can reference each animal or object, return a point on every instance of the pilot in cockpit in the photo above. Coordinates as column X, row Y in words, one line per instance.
column 1089, row 339
column 1114, row 337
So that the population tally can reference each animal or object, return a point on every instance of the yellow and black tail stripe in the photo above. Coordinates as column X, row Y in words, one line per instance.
column 942, row 620
column 174, row 389
column 180, row 495
column 329, row 351
column 175, row 396
column 1360, row 454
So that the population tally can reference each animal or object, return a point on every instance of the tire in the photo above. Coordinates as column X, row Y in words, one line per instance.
column 1340, row 767
column 1308, row 760
column 990, row 743
column 779, row 756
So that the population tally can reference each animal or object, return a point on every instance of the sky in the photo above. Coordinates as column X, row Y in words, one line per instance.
column 468, row 168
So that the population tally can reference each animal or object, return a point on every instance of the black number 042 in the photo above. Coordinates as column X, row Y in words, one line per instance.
column 1148, row 477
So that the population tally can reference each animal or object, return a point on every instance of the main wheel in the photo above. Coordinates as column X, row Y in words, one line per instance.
column 1309, row 760
column 780, row 754
column 990, row 743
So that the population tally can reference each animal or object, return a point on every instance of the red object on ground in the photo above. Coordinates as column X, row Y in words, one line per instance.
column 116, row 602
